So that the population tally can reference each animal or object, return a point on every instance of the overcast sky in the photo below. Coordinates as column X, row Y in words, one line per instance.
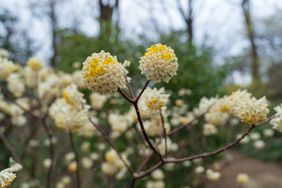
column 219, row 21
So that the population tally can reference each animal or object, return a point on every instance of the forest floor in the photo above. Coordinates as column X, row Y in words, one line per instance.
column 262, row 174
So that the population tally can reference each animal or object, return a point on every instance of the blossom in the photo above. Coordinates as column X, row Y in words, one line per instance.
column 113, row 164
column 209, row 129
column 277, row 120
column 4, row 54
column 119, row 123
column 6, row 68
column 248, row 109
column 35, row 64
column 97, row 100
column 159, row 63
column 213, row 175
column 152, row 101
column 259, row 144
column 7, row 176
column 155, row 184
column 16, row 84
column 103, row 73
column 243, row 179
column 204, row 105
column 73, row 97
column 158, row 174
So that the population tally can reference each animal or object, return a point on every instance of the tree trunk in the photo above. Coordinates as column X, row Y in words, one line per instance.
column 53, row 27
column 106, row 17
column 255, row 66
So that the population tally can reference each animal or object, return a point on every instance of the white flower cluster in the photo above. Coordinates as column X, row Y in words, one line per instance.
column 153, row 127
column 7, row 176
column 6, row 68
column 120, row 123
column 218, row 113
column 248, row 109
column 209, row 129
column 158, row 180
column 213, row 175
column 152, row 101
column 64, row 182
column 71, row 112
column 16, row 84
column 103, row 73
column 113, row 165
column 17, row 115
column 277, row 120
column 97, row 100
column 159, row 63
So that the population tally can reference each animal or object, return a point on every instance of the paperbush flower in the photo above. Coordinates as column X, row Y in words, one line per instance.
column 103, row 73
column 35, row 64
column 71, row 112
column 159, row 63
column 152, row 101
column 113, row 163
column 16, row 85
column 248, row 109
column 73, row 97
column 6, row 68
column 7, row 176
column 277, row 120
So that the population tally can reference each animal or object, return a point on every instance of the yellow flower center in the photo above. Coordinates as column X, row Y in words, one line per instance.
column 96, row 67
column 35, row 64
column 110, row 158
column 164, row 51
column 155, row 103
column 224, row 108
column 68, row 98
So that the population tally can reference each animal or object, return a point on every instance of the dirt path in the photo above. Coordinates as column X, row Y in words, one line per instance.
column 262, row 175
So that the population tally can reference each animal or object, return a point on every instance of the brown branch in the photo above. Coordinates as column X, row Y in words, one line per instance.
column 144, row 132
column 126, row 97
column 213, row 153
column 109, row 141
column 142, row 91
column 164, row 131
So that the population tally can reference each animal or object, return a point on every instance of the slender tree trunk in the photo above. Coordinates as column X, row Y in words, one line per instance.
column 53, row 27
column 189, row 23
column 106, row 17
column 255, row 66
column 188, row 19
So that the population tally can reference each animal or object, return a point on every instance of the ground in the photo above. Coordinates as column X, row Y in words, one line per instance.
column 262, row 174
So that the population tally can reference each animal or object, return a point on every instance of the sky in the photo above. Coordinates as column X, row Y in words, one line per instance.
column 218, row 22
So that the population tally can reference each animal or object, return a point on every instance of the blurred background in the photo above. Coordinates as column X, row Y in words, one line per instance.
column 222, row 45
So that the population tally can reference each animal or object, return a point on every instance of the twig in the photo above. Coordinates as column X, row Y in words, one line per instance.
column 108, row 140
column 164, row 131
column 144, row 132
column 142, row 91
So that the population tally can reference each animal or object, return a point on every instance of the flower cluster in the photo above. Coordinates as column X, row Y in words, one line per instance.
column 159, row 63
column 153, row 101
column 277, row 120
column 103, row 73
column 248, row 109
column 71, row 112
column 113, row 164
column 7, row 176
